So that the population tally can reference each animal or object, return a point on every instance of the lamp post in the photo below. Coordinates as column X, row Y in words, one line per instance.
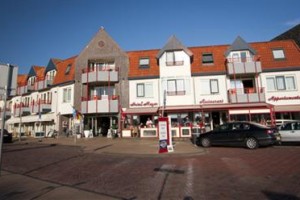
column 20, row 114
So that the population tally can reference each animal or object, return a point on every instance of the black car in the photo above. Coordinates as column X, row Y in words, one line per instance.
column 7, row 137
column 248, row 134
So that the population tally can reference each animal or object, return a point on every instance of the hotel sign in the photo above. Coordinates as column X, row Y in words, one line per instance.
column 148, row 103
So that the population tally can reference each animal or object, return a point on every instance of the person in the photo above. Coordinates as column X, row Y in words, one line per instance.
column 149, row 123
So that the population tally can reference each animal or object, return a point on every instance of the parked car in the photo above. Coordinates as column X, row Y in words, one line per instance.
column 248, row 134
column 7, row 137
column 279, row 122
column 290, row 132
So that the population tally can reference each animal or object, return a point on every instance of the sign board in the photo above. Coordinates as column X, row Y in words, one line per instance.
column 165, row 137
column 9, row 75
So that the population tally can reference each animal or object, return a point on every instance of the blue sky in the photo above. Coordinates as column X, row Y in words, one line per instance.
column 33, row 31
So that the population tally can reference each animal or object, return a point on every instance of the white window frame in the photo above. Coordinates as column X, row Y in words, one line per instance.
column 144, row 90
column 67, row 95
column 281, row 83
column 176, row 87
column 278, row 54
column 144, row 63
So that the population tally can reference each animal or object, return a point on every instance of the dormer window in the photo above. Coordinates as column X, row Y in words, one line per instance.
column 174, row 58
column 144, row 63
column 31, row 80
column 207, row 58
column 240, row 56
column 68, row 69
column 278, row 54
column 51, row 74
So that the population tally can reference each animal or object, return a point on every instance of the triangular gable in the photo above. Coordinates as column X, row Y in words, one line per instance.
column 239, row 44
column 51, row 65
column 31, row 72
column 173, row 44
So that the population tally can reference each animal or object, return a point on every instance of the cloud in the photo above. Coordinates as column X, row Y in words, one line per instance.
column 293, row 22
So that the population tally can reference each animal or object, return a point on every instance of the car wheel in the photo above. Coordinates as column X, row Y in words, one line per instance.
column 205, row 142
column 251, row 143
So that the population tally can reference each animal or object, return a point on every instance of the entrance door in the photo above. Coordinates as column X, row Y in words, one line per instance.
column 216, row 119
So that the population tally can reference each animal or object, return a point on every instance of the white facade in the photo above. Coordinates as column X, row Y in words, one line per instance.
column 282, row 88
column 144, row 93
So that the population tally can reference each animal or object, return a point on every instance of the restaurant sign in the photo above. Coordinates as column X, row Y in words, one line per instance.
column 210, row 101
column 284, row 98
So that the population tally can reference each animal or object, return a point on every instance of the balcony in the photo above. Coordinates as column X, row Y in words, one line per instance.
column 246, row 95
column 21, row 110
column 103, row 75
column 42, row 106
column 100, row 104
column 21, row 90
column 251, row 65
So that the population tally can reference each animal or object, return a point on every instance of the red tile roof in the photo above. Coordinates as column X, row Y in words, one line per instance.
column 40, row 72
column 134, row 59
column 22, row 80
column 263, row 50
column 61, row 75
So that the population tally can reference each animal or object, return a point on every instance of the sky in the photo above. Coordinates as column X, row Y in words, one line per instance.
column 34, row 31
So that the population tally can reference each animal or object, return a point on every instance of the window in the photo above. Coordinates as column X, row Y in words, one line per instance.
column 101, row 66
column 176, row 87
column 144, row 90
column 214, row 86
column 67, row 95
column 140, row 90
column 51, row 75
column 174, row 58
column 207, row 58
column 68, row 69
column 144, row 63
column 241, row 56
column 278, row 54
column 31, row 80
column 290, row 83
column 209, row 86
column 281, row 83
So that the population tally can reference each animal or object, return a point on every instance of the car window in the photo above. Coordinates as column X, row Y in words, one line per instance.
column 286, row 127
column 224, row 127
column 297, row 126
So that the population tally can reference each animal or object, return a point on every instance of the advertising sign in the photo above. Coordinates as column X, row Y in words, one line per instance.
column 165, row 138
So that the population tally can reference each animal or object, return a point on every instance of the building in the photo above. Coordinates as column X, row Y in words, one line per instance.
column 194, row 86
column 44, row 99
column 214, row 84
column 291, row 34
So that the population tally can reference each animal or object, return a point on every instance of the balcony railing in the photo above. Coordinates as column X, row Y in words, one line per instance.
column 246, row 95
column 249, row 65
column 107, row 74
column 100, row 104
column 21, row 90
column 41, row 106
column 21, row 109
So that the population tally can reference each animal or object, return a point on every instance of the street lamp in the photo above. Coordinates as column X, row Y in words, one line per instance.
column 20, row 115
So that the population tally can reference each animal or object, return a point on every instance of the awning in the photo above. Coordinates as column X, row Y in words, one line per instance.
column 144, row 110
column 31, row 118
column 287, row 108
column 249, row 111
